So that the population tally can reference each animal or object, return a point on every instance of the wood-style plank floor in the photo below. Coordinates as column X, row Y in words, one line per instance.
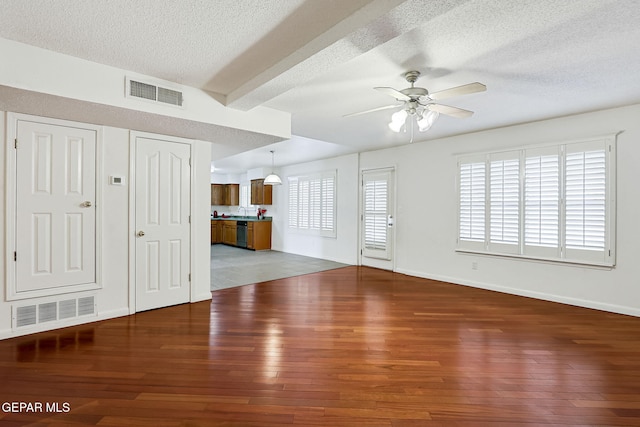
column 349, row 347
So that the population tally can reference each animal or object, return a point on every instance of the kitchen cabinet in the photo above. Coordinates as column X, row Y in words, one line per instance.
column 216, row 232
column 259, row 235
column 229, row 230
column 261, row 194
column 232, row 194
column 217, row 194
column 225, row 194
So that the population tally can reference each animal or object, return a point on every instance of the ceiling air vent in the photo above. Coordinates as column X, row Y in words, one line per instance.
column 138, row 89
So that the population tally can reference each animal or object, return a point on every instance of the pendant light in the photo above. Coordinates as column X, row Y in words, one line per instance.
column 272, row 178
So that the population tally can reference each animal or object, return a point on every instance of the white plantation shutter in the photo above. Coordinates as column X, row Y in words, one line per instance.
column 375, row 218
column 312, row 203
column 375, row 214
column 303, row 203
column 562, row 210
column 472, row 201
column 542, row 202
column 328, row 203
column 293, row 203
column 586, row 200
column 504, row 202
column 315, row 205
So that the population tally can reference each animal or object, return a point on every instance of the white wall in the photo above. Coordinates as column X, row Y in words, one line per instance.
column 427, row 206
column 114, row 298
column 344, row 247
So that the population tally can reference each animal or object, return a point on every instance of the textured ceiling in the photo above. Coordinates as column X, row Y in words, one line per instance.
column 320, row 59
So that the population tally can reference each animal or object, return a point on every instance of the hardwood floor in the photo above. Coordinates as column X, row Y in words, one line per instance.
column 349, row 347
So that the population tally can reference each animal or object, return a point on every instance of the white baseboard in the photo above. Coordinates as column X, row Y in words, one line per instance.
column 201, row 297
column 619, row 309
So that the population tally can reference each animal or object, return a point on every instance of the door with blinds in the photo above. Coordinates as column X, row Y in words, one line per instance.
column 377, row 223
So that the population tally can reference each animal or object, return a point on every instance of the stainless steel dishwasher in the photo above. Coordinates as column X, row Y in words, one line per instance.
column 241, row 234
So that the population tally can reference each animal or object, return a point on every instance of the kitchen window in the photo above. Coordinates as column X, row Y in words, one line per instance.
column 312, row 203
column 552, row 202
column 245, row 195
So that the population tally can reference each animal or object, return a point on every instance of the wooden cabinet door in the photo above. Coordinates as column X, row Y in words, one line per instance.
column 250, row 227
column 217, row 194
column 261, row 235
column 267, row 194
column 261, row 194
column 229, row 233
column 256, row 191
column 218, row 231
column 232, row 194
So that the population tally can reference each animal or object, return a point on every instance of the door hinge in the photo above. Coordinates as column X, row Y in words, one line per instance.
column 189, row 219
column 189, row 276
column 15, row 143
column 15, row 256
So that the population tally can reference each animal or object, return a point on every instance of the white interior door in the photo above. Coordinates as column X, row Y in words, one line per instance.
column 162, row 212
column 55, row 207
column 377, row 223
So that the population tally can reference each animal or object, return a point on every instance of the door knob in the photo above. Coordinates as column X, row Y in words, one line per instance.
column 140, row 233
column 86, row 204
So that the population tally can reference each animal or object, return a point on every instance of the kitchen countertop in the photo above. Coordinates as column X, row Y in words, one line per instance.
column 241, row 218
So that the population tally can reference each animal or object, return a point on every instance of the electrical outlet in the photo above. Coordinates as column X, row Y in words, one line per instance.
column 474, row 265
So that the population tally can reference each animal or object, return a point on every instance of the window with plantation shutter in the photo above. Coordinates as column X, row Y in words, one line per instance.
column 585, row 201
column 504, row 201
column 312, row 203
column 245, row 195
column 293, row 203
column 472, row 201
column 542, row 202
column 303, row 203
column 552, row 202
column 328, row 197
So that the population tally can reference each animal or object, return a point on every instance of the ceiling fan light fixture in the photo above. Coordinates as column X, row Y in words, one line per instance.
column 398, row 120
column 427, row 120
column 272, row 178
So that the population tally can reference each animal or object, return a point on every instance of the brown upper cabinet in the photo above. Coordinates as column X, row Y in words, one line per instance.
column 225, row 194
column 261, row 194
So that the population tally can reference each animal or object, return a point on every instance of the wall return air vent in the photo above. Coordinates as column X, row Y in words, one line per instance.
column 53, row 310
column 154, row 93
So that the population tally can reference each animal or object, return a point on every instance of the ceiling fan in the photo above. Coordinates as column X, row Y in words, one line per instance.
column 419, row 103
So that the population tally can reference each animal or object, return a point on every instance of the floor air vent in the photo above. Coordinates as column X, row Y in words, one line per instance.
column 35, row 314
column 155, row 93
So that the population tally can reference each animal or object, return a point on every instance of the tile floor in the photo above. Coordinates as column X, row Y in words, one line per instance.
column 235, row 267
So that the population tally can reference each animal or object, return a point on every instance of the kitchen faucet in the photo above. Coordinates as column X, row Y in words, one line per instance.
column 245, row 210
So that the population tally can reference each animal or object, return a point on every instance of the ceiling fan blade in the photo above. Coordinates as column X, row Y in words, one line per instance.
column 386, row 107
column 459, row 90
column 450, row 111
column 392, row 92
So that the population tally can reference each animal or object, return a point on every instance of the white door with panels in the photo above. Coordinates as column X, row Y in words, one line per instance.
column 55, row 194
column 162, row 223
column 377, row 219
